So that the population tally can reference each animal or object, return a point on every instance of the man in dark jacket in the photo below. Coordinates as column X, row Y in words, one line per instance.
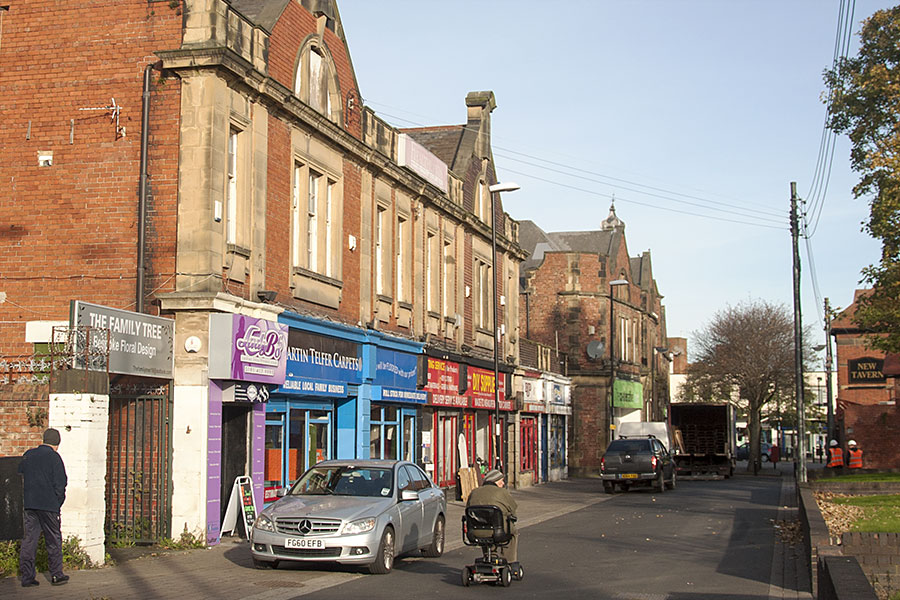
column 45, row 492
column 494, row 492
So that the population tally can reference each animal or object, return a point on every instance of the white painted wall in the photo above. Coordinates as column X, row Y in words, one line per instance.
column 190, row 414
column 82, row 421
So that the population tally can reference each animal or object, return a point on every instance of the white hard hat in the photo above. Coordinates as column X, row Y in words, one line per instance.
column 851, row 443
column 833, row 443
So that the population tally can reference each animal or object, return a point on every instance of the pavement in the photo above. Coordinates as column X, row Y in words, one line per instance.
column 225, row 571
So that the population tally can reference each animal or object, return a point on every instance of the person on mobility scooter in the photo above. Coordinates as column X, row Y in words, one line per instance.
column 489, row 522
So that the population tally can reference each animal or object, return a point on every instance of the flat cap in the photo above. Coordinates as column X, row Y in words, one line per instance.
column 492, row 476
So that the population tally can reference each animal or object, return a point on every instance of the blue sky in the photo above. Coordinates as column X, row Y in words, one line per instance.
column 670, row 105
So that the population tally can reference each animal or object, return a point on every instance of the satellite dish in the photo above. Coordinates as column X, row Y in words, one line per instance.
column 595, row 349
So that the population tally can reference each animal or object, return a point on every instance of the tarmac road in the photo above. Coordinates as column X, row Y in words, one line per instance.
column 706, row 539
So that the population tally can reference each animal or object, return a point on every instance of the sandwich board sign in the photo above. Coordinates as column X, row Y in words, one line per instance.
column 240, row 502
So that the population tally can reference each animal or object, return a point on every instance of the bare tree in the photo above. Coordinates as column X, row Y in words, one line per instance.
column 748, row 348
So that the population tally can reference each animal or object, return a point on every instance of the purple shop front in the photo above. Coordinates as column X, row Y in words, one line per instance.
column 246, row 356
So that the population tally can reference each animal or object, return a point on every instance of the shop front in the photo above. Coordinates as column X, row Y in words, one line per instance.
column 395, row 409
column 313, row 416
column 542, row 425
column 459, row 419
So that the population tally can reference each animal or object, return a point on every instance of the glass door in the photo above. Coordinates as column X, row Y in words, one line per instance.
column 274, row 461
column 408, row 434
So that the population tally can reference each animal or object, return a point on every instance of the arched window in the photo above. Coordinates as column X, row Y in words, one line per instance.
column 315, row 79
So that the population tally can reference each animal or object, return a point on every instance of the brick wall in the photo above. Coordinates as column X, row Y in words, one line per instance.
column 24, row 412
column 68, row 230
column 876, row 429
column 878, row 555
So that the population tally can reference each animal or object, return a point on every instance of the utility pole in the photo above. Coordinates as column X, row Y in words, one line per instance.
column 798, row 339
column 828, row 364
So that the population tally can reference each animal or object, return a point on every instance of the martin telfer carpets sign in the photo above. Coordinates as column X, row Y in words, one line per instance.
column 139, row 344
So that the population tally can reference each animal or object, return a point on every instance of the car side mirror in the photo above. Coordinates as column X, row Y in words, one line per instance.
column 409, row 496
column 281, row 492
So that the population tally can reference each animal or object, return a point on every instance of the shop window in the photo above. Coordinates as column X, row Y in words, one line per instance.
column 557, row 441
column 384, row 426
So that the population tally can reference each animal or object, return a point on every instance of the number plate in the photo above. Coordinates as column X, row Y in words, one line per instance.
column 303, row 543
column 628, row 476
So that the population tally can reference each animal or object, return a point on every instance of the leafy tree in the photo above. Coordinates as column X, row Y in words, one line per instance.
column 865, row 104
column 747, row 349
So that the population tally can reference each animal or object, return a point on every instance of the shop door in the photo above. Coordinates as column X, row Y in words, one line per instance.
column 309, row 441
column 234, row 451
column 138, row 470
column 446, row 427
column 275, row 463
column 528, row 430
column 545, row 449
column 408, row 434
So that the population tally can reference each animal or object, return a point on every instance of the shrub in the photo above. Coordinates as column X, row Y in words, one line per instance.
column 74, row 556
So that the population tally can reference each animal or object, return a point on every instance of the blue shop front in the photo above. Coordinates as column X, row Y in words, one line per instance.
column 347, row 393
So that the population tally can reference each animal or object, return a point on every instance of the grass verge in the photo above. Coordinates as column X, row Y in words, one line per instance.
column 881, row 513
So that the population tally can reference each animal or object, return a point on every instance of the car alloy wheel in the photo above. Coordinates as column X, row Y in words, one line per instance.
column 436, row 548
column 384, row 560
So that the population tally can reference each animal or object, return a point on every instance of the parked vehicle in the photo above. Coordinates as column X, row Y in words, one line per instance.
column 704, row 438
column 658, row 429
column 362, row 512
column 630, row 461
column 765, row 451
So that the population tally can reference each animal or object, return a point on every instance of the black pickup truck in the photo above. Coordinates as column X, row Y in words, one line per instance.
column 630, row 461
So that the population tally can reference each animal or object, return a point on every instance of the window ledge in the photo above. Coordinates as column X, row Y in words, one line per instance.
column 318, row 277
column 239, row 250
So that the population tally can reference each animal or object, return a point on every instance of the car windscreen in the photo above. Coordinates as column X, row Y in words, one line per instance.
column 344, row 481
column 629, row 446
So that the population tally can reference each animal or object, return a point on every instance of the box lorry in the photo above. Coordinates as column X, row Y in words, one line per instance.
column 704, row 439
column 658, row 429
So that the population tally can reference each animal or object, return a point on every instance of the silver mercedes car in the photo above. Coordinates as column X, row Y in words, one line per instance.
column 362, row 512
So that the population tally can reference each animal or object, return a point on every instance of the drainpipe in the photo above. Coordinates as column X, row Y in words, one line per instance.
column 142, row 192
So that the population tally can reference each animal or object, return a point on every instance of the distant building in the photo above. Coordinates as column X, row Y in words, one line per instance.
column 583, row 294
column 867, row 409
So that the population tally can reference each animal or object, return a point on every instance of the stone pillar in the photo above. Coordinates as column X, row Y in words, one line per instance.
column 83, row 420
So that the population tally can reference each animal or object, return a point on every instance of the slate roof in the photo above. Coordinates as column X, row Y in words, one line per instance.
column 443, row 141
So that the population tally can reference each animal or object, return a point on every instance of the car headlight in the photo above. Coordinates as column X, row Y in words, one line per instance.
column 264, row 523
column 360, row 526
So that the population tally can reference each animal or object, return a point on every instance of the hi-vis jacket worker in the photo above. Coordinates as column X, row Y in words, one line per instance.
column 855, row 455
column 835, row 455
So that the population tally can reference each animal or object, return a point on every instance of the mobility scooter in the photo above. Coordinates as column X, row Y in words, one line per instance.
column 486, row 527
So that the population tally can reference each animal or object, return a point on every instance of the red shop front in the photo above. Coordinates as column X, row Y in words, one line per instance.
column 458, row 420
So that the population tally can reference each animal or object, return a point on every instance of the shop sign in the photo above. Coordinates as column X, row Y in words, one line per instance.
column 139, row 344
column 628, row 394
column 556, row 394
column 319, row 365
column 246, row 392
column 533, row 390
column 400, row 395
column 533, row 407
column 397, row 373
column 244, row 348
column 481, row 389
column 443, row 384
column 866, row 370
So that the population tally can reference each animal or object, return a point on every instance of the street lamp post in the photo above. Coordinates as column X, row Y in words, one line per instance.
column 610, row 422
column 498, row 438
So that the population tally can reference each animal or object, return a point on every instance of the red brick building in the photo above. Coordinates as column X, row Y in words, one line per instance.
column 211, row 162
column 583, row 293
column 867, row 407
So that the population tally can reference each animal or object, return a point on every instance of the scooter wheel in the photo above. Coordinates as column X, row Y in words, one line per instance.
column 467, row 576
column 505, row 576
column 520, row 573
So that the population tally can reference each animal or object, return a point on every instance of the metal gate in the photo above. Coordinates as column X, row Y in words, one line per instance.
column 139, row 453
